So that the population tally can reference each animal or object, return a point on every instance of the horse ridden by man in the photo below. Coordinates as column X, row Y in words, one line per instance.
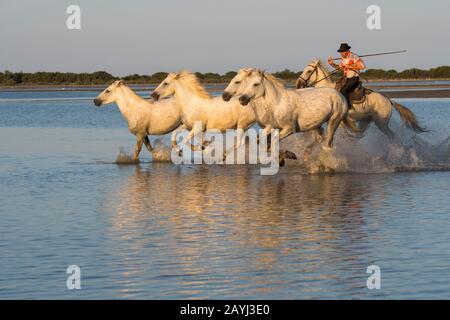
column 365, row 106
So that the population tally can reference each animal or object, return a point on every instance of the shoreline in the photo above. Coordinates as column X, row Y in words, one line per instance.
column 428, row 90
column 420, row 94
column 371, row 82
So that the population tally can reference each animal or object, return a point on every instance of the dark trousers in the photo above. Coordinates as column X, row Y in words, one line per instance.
column 350, row 84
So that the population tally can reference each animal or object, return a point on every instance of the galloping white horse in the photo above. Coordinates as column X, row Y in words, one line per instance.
column 237, row 84
column 376, row 107
column 294, row 110
column 197, row 105
column 143, row 117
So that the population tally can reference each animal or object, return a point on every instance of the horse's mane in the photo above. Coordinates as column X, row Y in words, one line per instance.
column 321, row 65
column 133, row 93
column 191, row 82
column 247, row 70
column 276, row 81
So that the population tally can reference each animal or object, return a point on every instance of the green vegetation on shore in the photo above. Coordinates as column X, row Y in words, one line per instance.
column 8, row 78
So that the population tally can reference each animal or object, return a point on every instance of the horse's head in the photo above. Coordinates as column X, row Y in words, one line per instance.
column 309, row 75
column 237, row 84
column 108, row 95
column 253, row 87
column 166, row 87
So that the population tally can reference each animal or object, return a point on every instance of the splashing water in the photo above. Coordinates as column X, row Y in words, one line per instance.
column 373, row 153
column 326, row 161
column 124, row 157
column 161, row 152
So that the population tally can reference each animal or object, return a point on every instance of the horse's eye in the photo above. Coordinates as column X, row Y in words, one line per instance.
column 256, row 84
column 237, row 82
column 165, row 83
column 108, row 91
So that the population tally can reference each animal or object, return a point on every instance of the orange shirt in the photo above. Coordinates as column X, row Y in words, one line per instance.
column 352, row 59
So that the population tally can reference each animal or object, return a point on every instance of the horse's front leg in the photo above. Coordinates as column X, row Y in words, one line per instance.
column 195, row 131
column 332, row 125
column 174, row 135
column 286, row 132
column 266, row 134
column 240, row 140
column 196, row 147
column 137, row 149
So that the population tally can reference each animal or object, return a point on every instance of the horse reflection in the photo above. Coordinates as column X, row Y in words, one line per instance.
column 198, row 213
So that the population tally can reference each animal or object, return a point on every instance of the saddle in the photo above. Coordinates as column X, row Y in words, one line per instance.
column 358, row 95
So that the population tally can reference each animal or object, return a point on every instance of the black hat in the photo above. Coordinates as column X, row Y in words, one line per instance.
column 344, row 47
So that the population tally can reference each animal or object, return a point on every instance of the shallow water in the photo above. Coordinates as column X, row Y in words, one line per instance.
column 157, row 230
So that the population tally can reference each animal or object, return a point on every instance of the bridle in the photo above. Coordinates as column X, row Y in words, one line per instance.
column 315, row 70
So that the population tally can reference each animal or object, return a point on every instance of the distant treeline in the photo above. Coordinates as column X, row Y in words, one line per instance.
column 8, row 78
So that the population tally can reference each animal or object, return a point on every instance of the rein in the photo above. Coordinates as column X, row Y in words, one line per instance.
column 328, row 76
column 315, row 70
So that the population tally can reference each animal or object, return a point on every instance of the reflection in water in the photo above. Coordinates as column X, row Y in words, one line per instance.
column 224, row 225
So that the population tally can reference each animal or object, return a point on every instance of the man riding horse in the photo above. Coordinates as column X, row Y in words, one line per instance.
column 351, row 65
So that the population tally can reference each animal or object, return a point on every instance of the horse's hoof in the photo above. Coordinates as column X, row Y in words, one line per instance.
column 282, row 162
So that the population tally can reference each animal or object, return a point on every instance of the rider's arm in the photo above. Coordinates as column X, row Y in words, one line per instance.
column 334, row 65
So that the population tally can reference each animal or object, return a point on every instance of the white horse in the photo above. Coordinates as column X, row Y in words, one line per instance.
column 376, row 107
column 143, row 117
column 237, row 84
column 294, row 110
column 263, row 115
column 198, row 106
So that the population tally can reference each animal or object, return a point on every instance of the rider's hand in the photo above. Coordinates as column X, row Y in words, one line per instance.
column 330, row 61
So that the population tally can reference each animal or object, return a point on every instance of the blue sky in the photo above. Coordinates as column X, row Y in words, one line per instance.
column 124, row 37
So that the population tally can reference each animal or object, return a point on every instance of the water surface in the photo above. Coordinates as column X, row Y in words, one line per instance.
column 161, row 231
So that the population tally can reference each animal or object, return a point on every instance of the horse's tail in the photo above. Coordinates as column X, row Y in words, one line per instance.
column 408, row 117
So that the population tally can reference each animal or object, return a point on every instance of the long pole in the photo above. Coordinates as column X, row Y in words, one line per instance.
column 376, row 54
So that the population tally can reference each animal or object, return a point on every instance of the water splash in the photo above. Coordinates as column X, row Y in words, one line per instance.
column 326, row 161
column 161, row 152
column 374, row 153
column 125, row 157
